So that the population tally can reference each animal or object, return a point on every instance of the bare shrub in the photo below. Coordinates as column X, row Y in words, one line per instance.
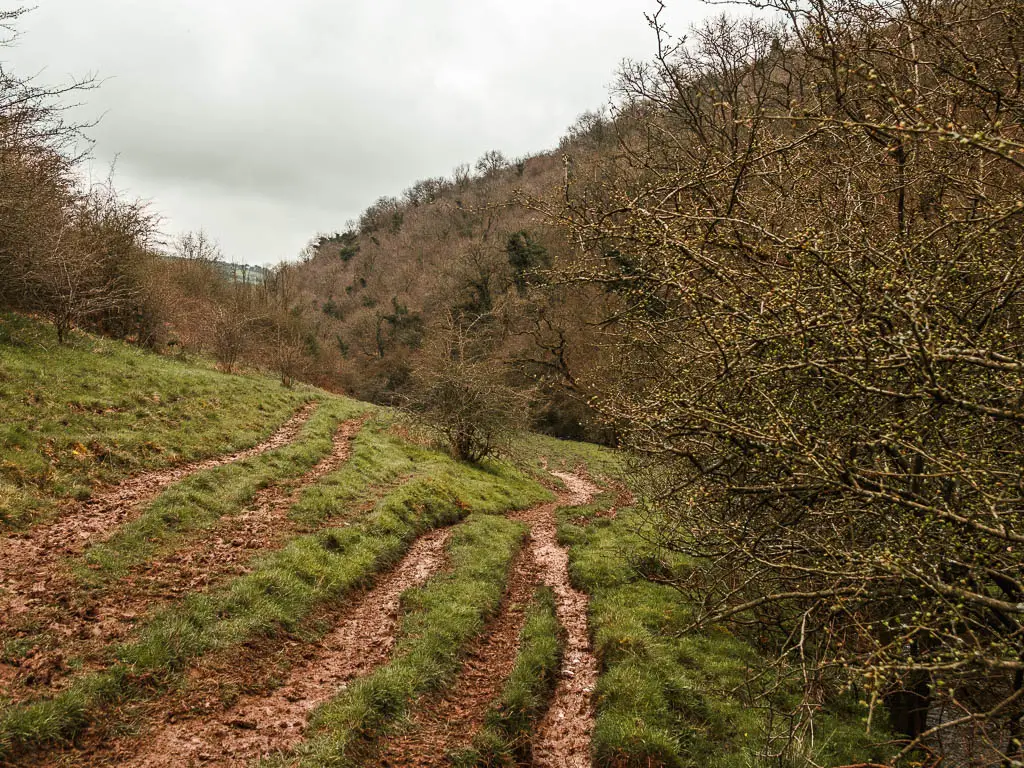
column 814, row 236
column 460, row 393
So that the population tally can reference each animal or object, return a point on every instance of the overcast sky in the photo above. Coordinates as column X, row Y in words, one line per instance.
column 267, row 122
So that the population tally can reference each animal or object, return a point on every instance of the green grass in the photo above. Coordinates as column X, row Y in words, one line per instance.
column 531, row 451
column 669, row 696
column 96, row 411
column 505, row 739
column 378, row 459
column 380, row 456
column 439, row 621
column 199, row 501
column 282, row 590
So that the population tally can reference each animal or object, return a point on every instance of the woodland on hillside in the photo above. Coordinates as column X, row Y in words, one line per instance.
column 784, row 272
column 813, row 229
column 355, row 313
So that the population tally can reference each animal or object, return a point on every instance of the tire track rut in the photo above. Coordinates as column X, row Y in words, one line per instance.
column 563, row 738
column 459, row 713
column 258, row 726
column 86, row 627
column 28, row 558
column 229, row 735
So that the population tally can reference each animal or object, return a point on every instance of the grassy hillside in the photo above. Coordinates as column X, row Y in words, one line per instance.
column 93, row 411
column 147, row 411
column 197, row 647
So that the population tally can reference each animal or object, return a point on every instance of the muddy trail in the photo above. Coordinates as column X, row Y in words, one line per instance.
column 563, row 738
column 85, row 624
column 28, row 557
column 235, row 709
column 262, row 725
column 450, row 721
column 444, row 722
column 197, row 729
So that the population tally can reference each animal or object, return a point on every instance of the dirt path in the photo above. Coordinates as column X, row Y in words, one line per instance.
column 87, row 623
column 28, row 557
column 448, row 721
column 201, row 726
column 563, row 738
column 453, row 719
column 263, row 725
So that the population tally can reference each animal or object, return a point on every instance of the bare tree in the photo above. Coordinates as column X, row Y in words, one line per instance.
column 461, row 176
column 460, row 392
column 813, row 236
column 65, row 251
column 491, row 162
column 82, row 264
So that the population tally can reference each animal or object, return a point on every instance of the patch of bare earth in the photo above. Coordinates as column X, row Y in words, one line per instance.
column 452, row 719
column 82, row 625
column 564, row 736
column 256, row 726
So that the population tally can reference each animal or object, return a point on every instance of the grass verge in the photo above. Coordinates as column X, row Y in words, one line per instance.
column 667, row 696
column 440, row 619
column 505, row 739
column 95, row 411
column 283, row 588
column 380, row 456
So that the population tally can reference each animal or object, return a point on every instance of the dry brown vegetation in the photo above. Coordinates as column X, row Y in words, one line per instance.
column 814, row 230
column 72, row 252
column 457, row 253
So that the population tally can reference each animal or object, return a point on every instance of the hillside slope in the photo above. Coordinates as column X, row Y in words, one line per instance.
column 319, row 577
column 465, row 253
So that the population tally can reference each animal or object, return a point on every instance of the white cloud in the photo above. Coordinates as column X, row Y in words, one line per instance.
column 263, row 122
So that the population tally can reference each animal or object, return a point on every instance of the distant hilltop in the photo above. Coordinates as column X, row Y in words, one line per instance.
column 244, row 273
column 241, row 273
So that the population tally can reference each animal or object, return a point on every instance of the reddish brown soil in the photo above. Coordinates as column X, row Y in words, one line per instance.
column 28, row 558
column 84, row 625
column 452, row 719
column 201, row 726
column 563, row 738
column 264, row 725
